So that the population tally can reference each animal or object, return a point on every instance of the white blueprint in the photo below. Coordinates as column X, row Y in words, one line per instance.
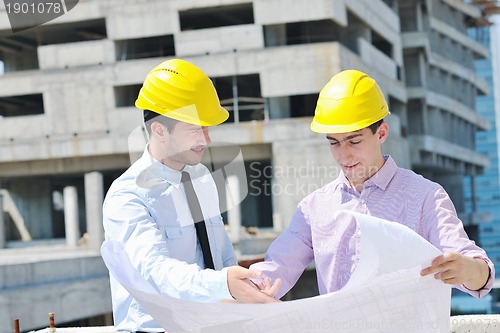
column 385, row 293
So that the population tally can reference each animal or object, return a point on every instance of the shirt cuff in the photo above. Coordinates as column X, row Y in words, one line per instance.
column 220, row 287
column 487, row 286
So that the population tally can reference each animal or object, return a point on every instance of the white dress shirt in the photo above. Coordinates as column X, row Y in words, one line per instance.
column 146, row 209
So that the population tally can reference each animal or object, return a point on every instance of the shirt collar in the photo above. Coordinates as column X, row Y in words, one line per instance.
column 161, row 170
column 385, row 174
column 380, row 179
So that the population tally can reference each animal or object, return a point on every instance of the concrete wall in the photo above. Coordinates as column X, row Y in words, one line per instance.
column 78, row 54
column 218, row 40
column 135, row 20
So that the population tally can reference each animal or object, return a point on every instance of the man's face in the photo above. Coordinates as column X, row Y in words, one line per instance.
column 185, row 145
column 359, row 153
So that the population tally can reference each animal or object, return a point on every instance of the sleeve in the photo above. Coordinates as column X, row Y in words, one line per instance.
column 445, row 231
column 126, row 219
column 289, row 254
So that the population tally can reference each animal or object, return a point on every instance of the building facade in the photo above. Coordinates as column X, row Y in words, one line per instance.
column 483, row 191
column 68, row 88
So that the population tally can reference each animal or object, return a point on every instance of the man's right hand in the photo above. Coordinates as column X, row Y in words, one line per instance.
column 245, row 291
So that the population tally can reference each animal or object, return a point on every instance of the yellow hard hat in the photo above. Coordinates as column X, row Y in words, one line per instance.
column 351, row 101
column 178, row 89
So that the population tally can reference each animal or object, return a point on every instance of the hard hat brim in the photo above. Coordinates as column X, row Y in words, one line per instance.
column 345, row 128
column 190, row 115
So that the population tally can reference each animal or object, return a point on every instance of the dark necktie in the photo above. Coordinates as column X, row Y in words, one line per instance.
column 199, row 222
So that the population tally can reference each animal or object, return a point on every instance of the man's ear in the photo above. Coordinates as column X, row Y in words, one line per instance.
column 383, row 132
column 158, row 130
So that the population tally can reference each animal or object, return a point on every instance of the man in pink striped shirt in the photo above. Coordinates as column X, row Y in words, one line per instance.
column 350, row 111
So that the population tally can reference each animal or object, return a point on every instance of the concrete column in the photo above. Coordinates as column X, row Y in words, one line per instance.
column 236, row 109
column 71, row 216
column 233, row 212
column 3, row 237
column 94, row 197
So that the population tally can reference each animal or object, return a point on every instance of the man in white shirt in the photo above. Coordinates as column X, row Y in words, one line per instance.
column 149, row 209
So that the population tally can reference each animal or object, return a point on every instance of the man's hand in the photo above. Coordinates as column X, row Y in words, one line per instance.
column 267, row 288
column 455, row 268
column 245, row 291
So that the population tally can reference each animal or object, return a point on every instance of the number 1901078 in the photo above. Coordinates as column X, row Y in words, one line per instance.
column 34, row 8
column 470, row 322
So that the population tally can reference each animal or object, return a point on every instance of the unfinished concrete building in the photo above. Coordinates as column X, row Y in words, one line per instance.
column 442, row 86
column 67, row 116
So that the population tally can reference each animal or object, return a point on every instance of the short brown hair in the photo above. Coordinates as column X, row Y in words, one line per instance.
column 374, row 127
column 150, row 117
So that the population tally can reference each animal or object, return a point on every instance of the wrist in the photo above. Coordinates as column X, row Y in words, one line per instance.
column 482, row 276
